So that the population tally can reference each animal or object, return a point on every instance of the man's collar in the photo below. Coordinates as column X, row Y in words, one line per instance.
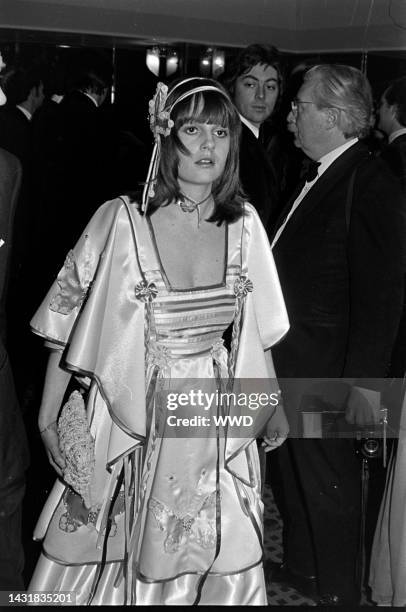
column 24, row 111
column 85, row 93
column 395, row 134
column 254, row 129
column 338, row 150
column 327, row 159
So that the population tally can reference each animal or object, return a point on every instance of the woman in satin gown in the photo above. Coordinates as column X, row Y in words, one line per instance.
column 172, row 512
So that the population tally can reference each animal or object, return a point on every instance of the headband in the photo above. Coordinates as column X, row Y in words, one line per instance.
column 161, row 124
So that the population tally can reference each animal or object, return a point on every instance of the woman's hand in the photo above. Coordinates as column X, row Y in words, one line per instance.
column 56, row 382
column 277, row 429
column 50, row 440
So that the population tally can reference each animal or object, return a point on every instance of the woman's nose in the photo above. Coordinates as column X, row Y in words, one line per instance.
column 208, row 141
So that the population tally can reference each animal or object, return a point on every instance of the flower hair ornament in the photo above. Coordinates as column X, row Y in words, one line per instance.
column 161, row 124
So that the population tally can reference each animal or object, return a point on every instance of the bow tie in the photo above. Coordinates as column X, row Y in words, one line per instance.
column 309, row 170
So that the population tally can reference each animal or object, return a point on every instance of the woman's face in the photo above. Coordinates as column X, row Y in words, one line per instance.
column 208, row 145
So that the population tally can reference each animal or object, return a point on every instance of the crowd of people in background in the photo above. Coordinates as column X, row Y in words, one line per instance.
column 326, row 174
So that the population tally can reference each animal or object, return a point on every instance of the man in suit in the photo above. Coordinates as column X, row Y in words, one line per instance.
column 392, row 122
column 24, row 89
column 82, row 164
column 339, row 252
column 13, row 444
column 254, row 80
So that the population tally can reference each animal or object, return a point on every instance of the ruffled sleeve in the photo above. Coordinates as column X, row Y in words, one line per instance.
column 269, row 305
column 264, row 322
column 55, row 318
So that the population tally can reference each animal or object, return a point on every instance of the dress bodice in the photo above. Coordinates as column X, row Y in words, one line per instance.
column 190, row 322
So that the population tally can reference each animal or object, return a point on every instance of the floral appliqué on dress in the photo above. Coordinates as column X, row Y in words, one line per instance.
column 194, row 520
column 73, row 283
column 78, row 515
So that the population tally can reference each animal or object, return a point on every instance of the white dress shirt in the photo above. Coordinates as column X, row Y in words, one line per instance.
column 325, row 162
column 254, row 129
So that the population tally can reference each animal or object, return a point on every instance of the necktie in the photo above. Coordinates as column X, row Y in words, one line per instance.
column 309, row 170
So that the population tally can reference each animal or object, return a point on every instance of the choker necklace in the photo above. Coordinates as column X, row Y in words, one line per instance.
column 187, row 204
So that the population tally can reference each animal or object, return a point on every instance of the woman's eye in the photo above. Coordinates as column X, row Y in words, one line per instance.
column 190, row 129
column 221, row 133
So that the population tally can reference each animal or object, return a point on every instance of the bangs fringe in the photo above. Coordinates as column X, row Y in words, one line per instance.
column 204, row 107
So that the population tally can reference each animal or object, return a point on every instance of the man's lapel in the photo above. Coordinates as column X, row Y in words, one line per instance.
column 286, row 209
column 325, row 184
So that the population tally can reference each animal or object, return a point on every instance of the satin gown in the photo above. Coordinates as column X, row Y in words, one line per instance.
column 388, row 559
column 196, row 534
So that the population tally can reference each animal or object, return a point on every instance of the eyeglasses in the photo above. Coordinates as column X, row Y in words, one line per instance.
column 295, row 104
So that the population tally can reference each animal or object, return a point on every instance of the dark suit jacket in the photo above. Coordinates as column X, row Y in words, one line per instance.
column 258, row 177
column 343, row 287
column 10, row 182
column 394, row 155
column 13, row 445
column 16, row 138
column 15, row 132
column 83, row 169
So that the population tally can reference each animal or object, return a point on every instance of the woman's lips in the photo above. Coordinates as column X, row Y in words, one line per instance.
column 205, row 162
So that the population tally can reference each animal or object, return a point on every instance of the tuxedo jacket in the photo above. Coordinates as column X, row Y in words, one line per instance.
column 258, row 177
column 13, row 444
column 343, row 285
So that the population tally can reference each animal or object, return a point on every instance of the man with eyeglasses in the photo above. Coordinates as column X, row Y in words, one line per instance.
column 339, row 252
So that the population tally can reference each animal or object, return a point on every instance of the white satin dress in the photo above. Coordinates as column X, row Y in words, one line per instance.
column 183, row 530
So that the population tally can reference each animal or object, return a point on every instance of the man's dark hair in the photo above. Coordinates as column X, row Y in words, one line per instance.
column 395, row 95
column 250, row 57
column 91, row 71
column 18, row 82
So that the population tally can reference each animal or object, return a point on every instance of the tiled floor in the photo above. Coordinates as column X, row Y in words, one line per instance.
column 278, row 595
column 281, row 595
